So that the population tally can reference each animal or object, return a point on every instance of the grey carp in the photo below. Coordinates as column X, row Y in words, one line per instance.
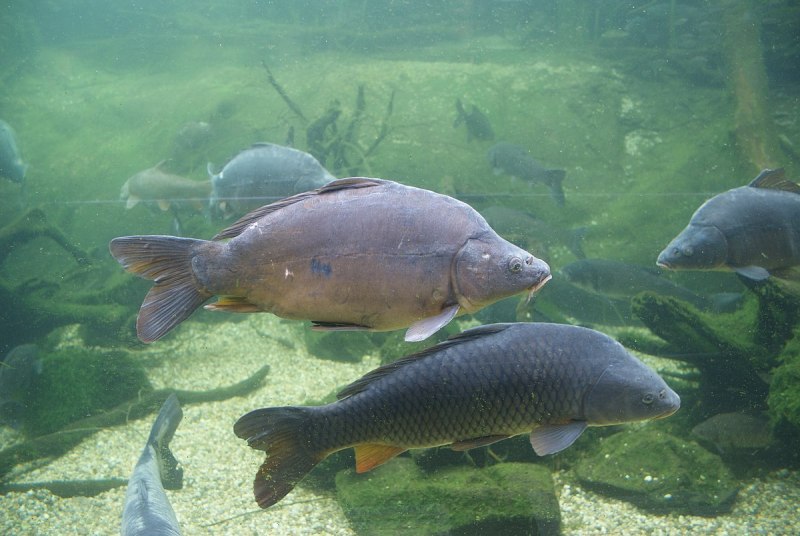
column 355, row 254
column 753, row 230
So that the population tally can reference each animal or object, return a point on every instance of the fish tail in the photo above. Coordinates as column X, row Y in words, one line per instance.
column 282, row 434
column 167, row 260
column 160, row 435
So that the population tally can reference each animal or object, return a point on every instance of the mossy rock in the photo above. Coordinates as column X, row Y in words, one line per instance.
column 659, row 472
column 784, row 390
column 509, row 498
column 77, row 383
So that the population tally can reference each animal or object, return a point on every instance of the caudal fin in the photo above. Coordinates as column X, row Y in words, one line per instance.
column 282, row 434
column 554, row 179
column 166, row 260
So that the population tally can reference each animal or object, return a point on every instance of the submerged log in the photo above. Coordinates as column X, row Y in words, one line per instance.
column 754, row 130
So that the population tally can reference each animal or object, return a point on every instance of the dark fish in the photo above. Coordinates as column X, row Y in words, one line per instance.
column 11, row 166
column 191, row 137
column 622, row 280
column 515, row 161
column 263, row 173
column 753, row 230
column 735, row 431
column 165, row 190
column 479, row 387
column 147, row 510
column 478, row 126
column 525, row 229
column 355, row 254
column 18, row 372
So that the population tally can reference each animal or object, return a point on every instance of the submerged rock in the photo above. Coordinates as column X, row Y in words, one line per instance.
column 659, row 472
column 505, row 499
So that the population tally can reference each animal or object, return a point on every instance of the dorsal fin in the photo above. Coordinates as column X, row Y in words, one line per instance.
column 774, row 179
column 340, row 184
column 362, row 383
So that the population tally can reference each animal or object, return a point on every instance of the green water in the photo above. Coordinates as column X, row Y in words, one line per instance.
column 636, row 101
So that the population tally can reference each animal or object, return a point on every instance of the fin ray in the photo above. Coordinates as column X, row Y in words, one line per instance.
column 371, row 455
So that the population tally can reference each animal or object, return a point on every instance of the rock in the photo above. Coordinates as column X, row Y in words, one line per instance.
column 659, row 472
column 508, row 498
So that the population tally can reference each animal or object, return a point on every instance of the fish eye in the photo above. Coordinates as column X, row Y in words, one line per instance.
column 648, row 399
column 515, row 265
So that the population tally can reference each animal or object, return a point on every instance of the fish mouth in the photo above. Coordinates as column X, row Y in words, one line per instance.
column 535, row 288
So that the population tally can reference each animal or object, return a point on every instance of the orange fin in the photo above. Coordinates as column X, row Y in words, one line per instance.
column 370, row 455
column 233, row 304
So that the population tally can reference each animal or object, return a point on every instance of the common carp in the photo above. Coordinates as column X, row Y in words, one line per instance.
column 753, row 230
column 476, row 388
column 357, row 253
column 147, row 510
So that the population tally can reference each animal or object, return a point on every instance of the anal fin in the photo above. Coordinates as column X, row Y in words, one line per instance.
column 371, row 455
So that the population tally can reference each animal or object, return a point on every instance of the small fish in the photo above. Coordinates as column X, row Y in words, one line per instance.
column 147, row 510
column 481, row 386
column 355, row 254
column 735, row 431
column 623, row 280
column 515, row 161
column 11, row 165
column 165, row 190
column 753, row 230
column 262, row 173
column 478, row 126
column 18, row 372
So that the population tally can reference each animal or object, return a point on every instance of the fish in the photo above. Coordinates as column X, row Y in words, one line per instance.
column 18, row 372
column 479, row 387
column 523, row 228
column 147, row 510
column 356, row 254
column 156, row 187
column 514, row 160
column 11, row 165
column 733, row 431
column 753, row 230
column 478, row 125
column 263, row 172
column 619, row 279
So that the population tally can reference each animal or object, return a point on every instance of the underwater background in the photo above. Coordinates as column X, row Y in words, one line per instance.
column 650, row 108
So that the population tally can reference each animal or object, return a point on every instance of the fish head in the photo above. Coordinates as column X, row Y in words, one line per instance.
column 488, row 269
column 581, row 274
column 629, row 391
column 697, row 247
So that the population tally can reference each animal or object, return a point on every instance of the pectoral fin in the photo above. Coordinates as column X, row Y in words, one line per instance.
column 552, row 438
column 756, row 273
column 132, row 201
column 422, row 329
column 369, row 456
